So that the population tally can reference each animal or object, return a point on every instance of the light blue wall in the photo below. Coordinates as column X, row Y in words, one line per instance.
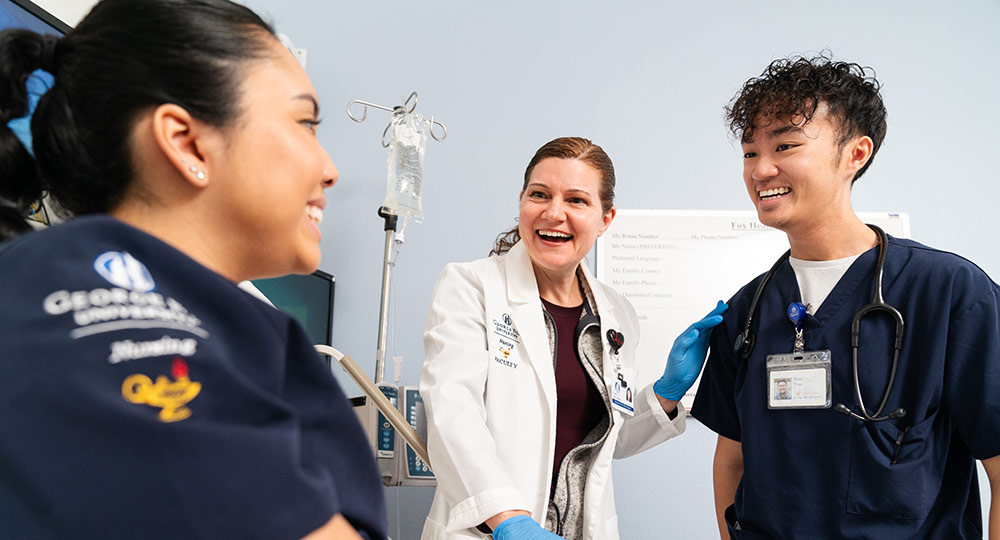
column 646, row 80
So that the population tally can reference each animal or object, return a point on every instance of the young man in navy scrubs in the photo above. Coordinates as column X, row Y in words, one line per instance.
column 898, row 461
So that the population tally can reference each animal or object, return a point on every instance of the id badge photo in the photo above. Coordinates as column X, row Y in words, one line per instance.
column 799, row 380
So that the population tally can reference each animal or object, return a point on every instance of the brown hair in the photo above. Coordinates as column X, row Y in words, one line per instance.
column 566, row 148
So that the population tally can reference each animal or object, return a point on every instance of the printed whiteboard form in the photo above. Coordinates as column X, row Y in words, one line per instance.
column 673, row 265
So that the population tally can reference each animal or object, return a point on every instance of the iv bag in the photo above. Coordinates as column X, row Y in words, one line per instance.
column 406, row 164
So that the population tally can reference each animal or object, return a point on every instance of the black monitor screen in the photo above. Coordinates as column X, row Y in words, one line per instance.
column 25, row 14
column 307, row 298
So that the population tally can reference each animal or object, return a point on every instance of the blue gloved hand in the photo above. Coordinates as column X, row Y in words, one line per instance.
column 522, row 528
column 687, row 356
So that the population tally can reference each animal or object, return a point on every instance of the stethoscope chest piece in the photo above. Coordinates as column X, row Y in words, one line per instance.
column 744, row 344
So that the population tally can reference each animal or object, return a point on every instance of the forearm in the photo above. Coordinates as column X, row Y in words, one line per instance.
column 995, row 515
column 669, row 406
column 727, row 471
column 725, row 494
column 337, row 528
column 497, row 519
column 992, row 467
column 651, row 424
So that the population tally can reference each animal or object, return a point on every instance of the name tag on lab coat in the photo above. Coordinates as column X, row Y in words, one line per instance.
column 622, row 397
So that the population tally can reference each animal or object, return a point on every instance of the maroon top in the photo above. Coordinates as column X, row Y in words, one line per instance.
column 579, row 405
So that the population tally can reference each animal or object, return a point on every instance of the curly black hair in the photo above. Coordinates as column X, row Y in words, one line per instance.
column 793, row 88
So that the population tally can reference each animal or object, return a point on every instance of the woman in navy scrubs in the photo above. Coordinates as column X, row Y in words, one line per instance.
column 142, row 394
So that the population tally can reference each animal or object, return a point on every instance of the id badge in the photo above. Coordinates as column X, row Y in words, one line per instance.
column 799, row 380
column 622, row 392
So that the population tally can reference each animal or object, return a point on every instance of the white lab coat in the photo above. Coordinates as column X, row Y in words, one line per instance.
column 489, row 388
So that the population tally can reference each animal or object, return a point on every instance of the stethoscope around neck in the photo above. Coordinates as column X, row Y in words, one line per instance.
column 746, row 340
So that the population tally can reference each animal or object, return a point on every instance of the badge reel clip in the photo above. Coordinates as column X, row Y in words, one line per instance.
column 800, row 379
column 621, row 393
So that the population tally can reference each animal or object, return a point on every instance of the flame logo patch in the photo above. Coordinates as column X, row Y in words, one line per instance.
column 171, row 397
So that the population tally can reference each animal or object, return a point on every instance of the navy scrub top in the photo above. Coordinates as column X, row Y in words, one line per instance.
column 821, row 474
column 144, row 396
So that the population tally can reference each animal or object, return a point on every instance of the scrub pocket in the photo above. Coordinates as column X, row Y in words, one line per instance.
column 906, row 489
column 736, row 532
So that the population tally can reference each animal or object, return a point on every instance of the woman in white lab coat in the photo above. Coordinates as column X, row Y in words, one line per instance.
column 529, row 367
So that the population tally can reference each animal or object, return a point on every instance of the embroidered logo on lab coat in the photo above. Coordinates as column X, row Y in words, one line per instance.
column 505, row 328
column 503, row 340
column 171, row 397
column 505, row 349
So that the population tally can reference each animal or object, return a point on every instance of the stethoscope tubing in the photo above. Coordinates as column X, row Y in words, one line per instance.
column 746, row 340
column 878, row 303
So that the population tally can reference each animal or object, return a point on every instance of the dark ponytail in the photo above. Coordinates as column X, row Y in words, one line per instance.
column 125, row 57
column 21, row 53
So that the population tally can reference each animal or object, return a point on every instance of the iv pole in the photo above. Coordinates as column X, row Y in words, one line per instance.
column 383, row 314
column 391, row 221
column 388, row 410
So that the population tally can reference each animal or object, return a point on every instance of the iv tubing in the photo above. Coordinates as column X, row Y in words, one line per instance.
column 384, row 405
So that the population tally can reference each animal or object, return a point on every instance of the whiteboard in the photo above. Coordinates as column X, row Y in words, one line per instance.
column 673, row 265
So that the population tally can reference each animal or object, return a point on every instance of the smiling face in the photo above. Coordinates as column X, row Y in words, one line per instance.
column 799, row 176
column 273, row 170
column 561, row 214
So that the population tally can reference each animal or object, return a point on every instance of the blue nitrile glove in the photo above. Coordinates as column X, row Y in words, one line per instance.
column 687, row 356
column 522, row 528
